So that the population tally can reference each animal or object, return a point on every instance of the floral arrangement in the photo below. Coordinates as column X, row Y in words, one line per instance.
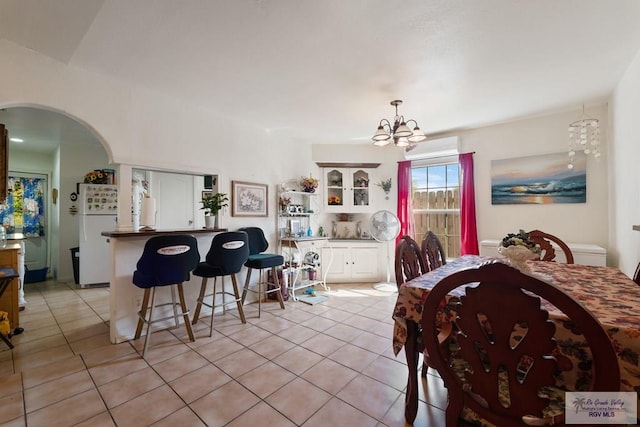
column 520, row 239
column 385, row 185
column 284, row 201
column 98, row 176
column 309, row 184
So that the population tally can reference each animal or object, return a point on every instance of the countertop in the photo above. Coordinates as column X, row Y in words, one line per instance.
column 119, row 234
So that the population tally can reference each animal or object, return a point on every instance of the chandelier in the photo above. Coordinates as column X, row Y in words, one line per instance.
column 399, row 131
column 584, row 136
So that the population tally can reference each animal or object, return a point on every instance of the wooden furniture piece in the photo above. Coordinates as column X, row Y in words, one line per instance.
column 548, row 251
column 165, row 261
column 636, row 275
column 433, row 251
column 6, row 277
column 9, row 300
column 616, row 307
column 410, row 262
column 504, row 357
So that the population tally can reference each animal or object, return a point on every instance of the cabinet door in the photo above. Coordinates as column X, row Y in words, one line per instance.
column 348, row 190
column 359, row 190
column 336, row 189
column 340, row 269
column 364, row 264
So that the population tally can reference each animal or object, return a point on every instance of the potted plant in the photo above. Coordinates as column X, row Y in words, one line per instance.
column 212, row 205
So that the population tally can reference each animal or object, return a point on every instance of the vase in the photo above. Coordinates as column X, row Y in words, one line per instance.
column 309, row 190
column 210, row 221
column 517, row 256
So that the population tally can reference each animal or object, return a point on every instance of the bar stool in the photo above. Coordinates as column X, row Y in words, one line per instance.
column 260, row 260
column 228, row 252
column 165, row 261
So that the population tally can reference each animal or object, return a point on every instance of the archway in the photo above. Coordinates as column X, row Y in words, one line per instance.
column 63, row 148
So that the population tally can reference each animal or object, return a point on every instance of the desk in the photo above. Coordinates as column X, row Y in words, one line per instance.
column 611, row 296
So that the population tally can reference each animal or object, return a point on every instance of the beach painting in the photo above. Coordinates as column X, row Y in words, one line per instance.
column 540, row 179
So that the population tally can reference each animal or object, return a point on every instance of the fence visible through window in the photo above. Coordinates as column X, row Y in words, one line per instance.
column 436, row 204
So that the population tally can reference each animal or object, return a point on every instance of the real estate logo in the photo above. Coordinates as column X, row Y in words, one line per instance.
column 601, row 407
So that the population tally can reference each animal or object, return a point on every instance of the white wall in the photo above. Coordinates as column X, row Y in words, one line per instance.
column 150, row 130
column 625, row 173
column 576, row 223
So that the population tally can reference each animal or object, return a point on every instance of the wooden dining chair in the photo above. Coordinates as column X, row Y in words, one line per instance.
column 636, row 275
column 433, row 251
column 545, row 241
column 503, row 347
column 409, row 262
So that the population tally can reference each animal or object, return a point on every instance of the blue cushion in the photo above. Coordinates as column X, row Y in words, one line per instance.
column 264, row 261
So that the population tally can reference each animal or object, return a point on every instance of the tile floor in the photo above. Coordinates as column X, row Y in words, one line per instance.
column 328, row 364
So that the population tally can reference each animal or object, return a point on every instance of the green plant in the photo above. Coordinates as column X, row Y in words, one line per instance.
column 385, row 185
column 213, row 204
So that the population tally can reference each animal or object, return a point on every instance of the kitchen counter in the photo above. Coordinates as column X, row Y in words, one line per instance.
column 150, row 233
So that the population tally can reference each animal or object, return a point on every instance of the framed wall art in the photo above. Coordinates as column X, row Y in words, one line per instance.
column 542, row 179
column 249, row 199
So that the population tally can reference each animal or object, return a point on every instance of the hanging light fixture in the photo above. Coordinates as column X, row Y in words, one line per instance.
column 399, row 131
column 584, row 136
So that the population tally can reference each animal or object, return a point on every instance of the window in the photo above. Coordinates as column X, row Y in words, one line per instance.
column 436, row 202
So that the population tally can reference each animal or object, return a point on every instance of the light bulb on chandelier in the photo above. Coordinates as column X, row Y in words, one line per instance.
column 584, row 135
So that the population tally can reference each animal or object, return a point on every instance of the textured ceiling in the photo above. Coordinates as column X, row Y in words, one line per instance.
column 325, row 71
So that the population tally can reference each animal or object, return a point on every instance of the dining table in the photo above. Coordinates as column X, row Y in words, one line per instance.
column 610, row 295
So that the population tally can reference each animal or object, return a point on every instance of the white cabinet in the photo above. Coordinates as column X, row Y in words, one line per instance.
column 348, row 190
column 353, row 261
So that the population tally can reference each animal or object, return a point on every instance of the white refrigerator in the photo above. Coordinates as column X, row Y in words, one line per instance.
column 98, row 210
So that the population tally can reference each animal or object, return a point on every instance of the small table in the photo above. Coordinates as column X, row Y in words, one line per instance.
column 611, row 296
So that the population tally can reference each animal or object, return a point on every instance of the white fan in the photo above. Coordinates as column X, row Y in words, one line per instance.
column 385, row 227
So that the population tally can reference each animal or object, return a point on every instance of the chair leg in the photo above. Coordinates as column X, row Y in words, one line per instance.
column 246, row 284
column 238, row 300
column 274, row 273
column 203, row 289
column 147, row 339
column 185, row 313
column 142, row 314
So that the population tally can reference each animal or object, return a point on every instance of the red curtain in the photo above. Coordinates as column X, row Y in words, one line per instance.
column 405, row 210
column 468, row 230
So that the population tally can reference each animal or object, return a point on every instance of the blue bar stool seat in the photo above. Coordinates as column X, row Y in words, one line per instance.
column 165, row 261
column 260, row 260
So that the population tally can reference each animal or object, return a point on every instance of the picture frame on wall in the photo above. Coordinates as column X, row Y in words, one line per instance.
column 539, row 179
column 249, row 199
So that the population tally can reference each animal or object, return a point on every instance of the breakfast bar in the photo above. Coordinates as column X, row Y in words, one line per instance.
column 125, row 249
